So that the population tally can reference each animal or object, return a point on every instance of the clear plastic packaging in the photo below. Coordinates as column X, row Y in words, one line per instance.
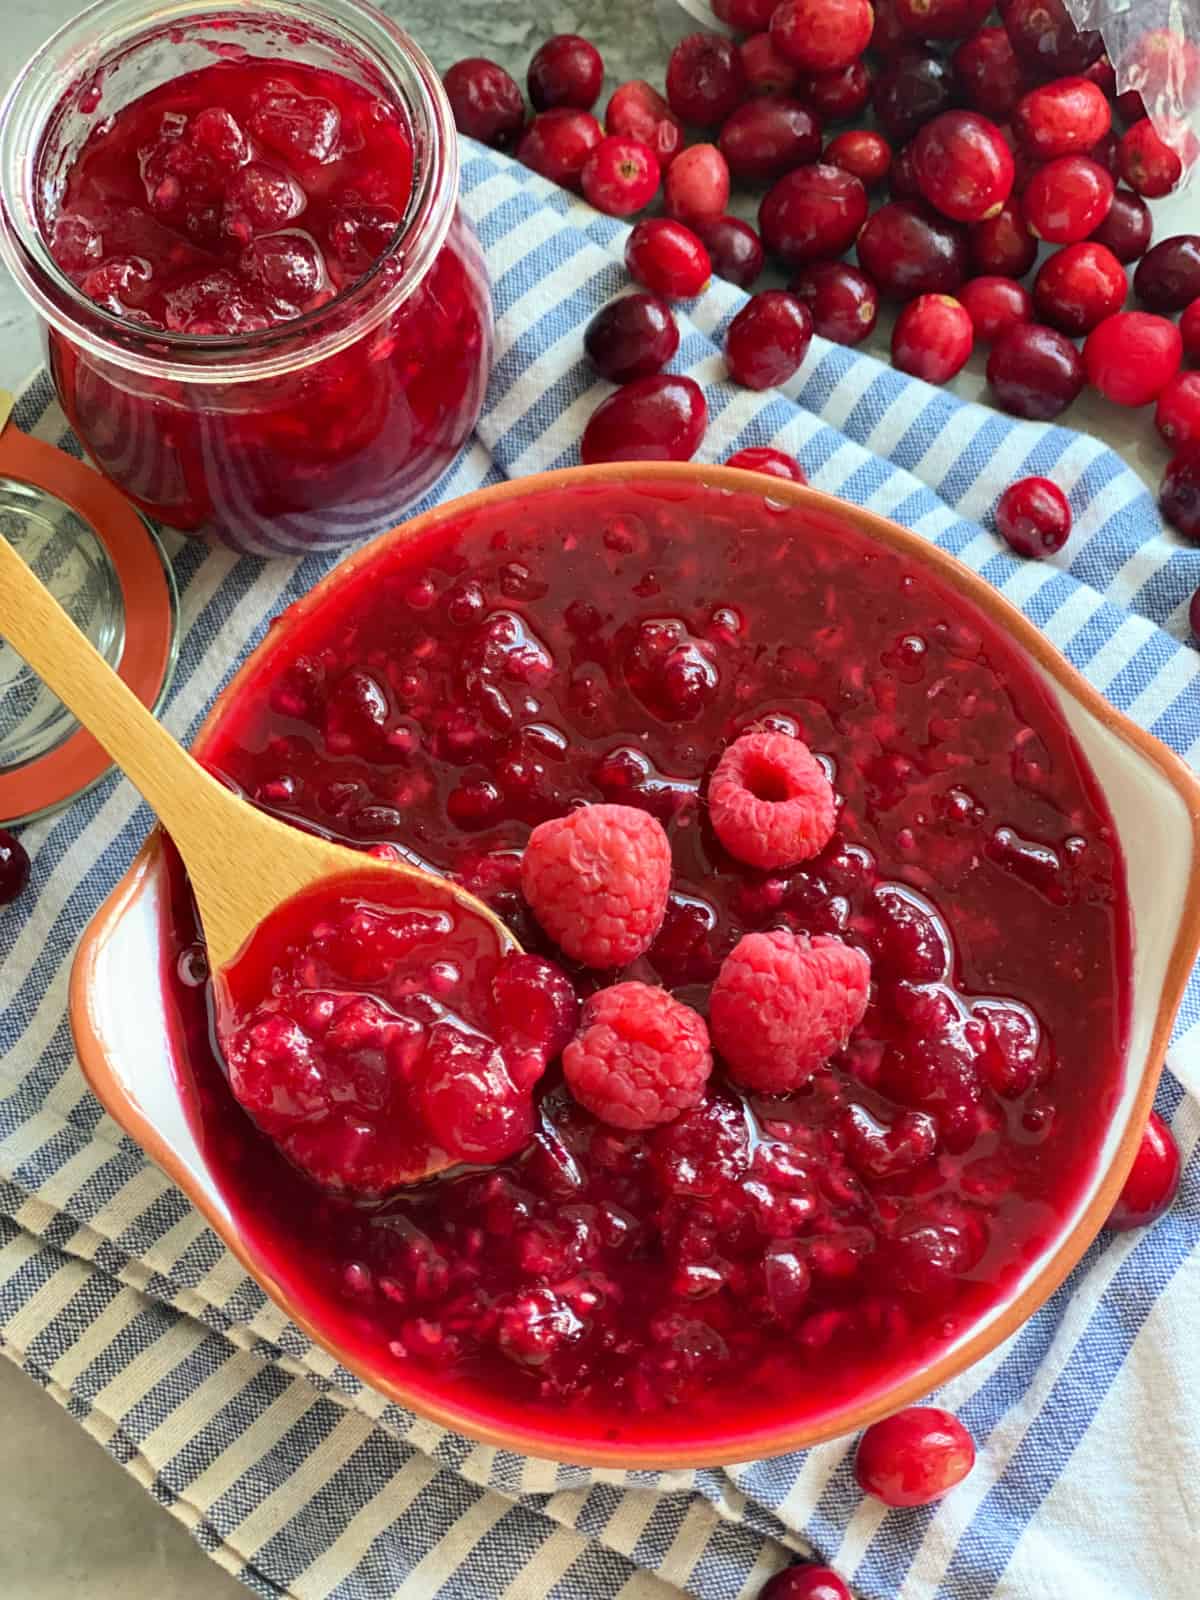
column 1154, row 45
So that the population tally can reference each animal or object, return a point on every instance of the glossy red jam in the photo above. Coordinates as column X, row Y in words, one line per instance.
column 759, row 1258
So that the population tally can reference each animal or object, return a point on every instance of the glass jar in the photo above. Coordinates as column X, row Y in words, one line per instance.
column 311, row 434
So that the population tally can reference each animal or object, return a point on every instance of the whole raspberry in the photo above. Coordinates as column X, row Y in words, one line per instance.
column 641, row 1058
column 770, row 802
column 783, row 1004
column 597, row 881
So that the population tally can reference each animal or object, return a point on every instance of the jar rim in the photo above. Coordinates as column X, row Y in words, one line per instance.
column 101, row 34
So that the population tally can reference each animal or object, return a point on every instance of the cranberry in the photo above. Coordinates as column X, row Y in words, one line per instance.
column 908, row 250
column 1002, row 245
column 1067, row 199
column 1194, row 615
column 621, row 176
column 768, row 339
column 1179, row 493
column 566, row 71
column 1189, row 330
column 747, row 16
column 486, row 101
column 765, row 138
column 812, row 214
column 1130, row 106
column 837, row 96
column 705, row 80
column 14, row 867
column 736, row 250
column 668, row 258
column 1127, row 228
column 915, row 1457
column 697, row 188
column 1104, row 75
column 767, row 70
column 557, row 144
column 1148, row 165
column 807, row 1582
column 1063, row 118
column 940, row 19
column 990, row 77
column 1044, row 35
column 932, row 338
column 650, row 419
column 772, row 463
column 889, row 33
column 1153, row 1181
column 1104, row 153
column 1132, row 356
column 843, row 301
column 994, row 305
column 636, row 111
column 822, row 35
column 963, row 166
column 632, row 337
column 1177, row 415
column 902, row 176
column 866, row 154
column 1168, row 277
column 1035, row 372
column 1078, row 286
column 1033, row 517
column 917, row 87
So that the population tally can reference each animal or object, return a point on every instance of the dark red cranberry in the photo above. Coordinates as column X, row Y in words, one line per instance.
column 908, row 250
column 697, row 187
column 1131, row 107
column 1168, row 277
column 1078, row 286
column 1104, row 75
column 705, row 81
column 1132, row 356
column 632, row 337
column 963, row 166
column 768, row 339
column 765, row 138
column 1067, row 199
column 1128, row 227
column 1189, row 330
column 1194, row 615
column 1177, row 415
column 1044, row 35
column 767, row 70
column 1153, row 1181
column 837, row 96
column 566, row 71
column 1033, row 517
column 1148, row 165
column 812, row 214
column 990, row 77
column 889, row 33
column 14, row 867
column 637, row 111
column 620, row 176
column 863, row 152
column 557, row 144
column 736, row 250
column 843, row 301
column 932, row 338
column 1105, row 153
column 915, row 1457
column 807, row 1582
column 940, row 19
column 902, row 176
column 1179, row 493
column 650, row 419
column 668, row 258
column 772, row 463
column 822, row 35
column 486, row 101
column 1035, row 372
column 1002, row 246
column 1063, row 118
column 914, row 89
column 747, row 16
column 994, row 305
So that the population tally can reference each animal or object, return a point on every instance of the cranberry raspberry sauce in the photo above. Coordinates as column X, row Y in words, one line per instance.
column 604, row 644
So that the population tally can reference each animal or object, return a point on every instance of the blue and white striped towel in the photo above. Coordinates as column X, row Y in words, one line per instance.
column 117, row 1298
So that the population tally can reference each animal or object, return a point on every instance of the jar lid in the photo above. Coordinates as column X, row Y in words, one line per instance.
column 106, row 568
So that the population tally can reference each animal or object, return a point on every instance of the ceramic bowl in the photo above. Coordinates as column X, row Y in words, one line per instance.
column 125, row 1039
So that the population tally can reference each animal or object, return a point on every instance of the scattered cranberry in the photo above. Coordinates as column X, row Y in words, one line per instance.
column 1104, row 154
column 747, row 16
column 486, row 101
column 822, row 35
column 772, row 463
column 932, row 338
column 1078, row 286
column 989, row 75
column 621, row 176
column 566, row 71
column 765, row 138
column 768, row 339
column 1189, row 330
column 843, row 301
column 1153, row 1181
column 807, row 1582
column 1104, row 75
column 902, row 176
column 767, row 70
column 705, row 81
column 668, row 258
column 1035, row 372
column 1179, row 494
column 633, row 337
column 697, row 187
column 1132, row 356
column 1044, row 35
column 915, row 1457
column 1148, row 165
column 557, row 144
column 736, row 250
column 636, row 111
column 1002, row 245
column 836, row 96
column 1033, row 517
column 994, row 305
column 1128, row 227
column 1177, row 415
column 1067, row 199
column 812, row 214
column 1130, row 106
column 1194, row 615
column 963, row 166
column 1168, row 277
column 650, row 419
column 940, row 19
column 917, row 87
column 863, row 152
column 908, row 251
column 1063, row 118
column 14, row 867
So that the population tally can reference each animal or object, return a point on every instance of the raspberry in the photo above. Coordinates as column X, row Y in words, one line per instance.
column 770, row 802
column 642, row 1057
column 783, row 1004
column 597, row 881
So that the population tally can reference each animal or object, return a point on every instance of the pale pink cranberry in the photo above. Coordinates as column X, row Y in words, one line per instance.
column 863, row 152
column 932, row 338
column 809, row 1582
column 963, row 166
column 705, row 81
column 735, row 249
column 486, row 101
column 766, row 69
column 1078, row 286
column 1067, row 117
column 651, row 419
column 566, row 71
column 843, row 301
column 767, row 137
column 989, row 74
column 697, row 186
column 822, row 35
column 768, row 339
column 668, row 258
column 637, row 111
column 557, row 145
column 994, row 305
column 1067, row 199
column 915, row 1457
column 1132, row 356
column 621, row 176
column 1033, row 517
column 1153, row 1181
column 812, row 214
column 1148, row 165
column 1128, row 227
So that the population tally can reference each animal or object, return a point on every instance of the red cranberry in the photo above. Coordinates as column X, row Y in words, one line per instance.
column 636, row 111
column 1104, row 154
column 632, row 337
column 910, row 251
column 917, row 87
column 768, row 339
column 1035, row 372
column 843, row 301
column 1168, row 277
column 1177, row 415
column 705, row 81
column 486, row 101
column 557, row 144
column 1179, row 493
column 915, row 1457
column 767, row 70
column 902, row 176
column 1063, row 118
column 1148, row 165
column 668, row 258
column 1189, row 330
column 1033, row 517
column 1130, row 106
column 697, row 187
column 1002, row 245
column 812, row 214
column 736, row 250
column 822, row 35
column 1078, row 286
column 650, row 419
column 1067, row 199
column 963, row 166
column 566, row 71
column 1104, row 75
column 765, row 138
column 1153, row 1181
column 1132, row 356
column 807, row 1582
column 866, row 154
column 889, row 33
column 621, row 176
column 14, row 867
column 932, row 338
column 1127, row 228
column 994, row 305
column 837, row 96
column 990, row 77
column 1044, row 35
column 940, row 19
column 747, row 16
column 772, row 463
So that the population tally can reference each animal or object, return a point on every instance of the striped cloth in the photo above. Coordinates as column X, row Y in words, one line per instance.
column 115, row 1296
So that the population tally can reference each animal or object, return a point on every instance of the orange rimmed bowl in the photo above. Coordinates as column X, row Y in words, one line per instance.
column 129, row 1051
